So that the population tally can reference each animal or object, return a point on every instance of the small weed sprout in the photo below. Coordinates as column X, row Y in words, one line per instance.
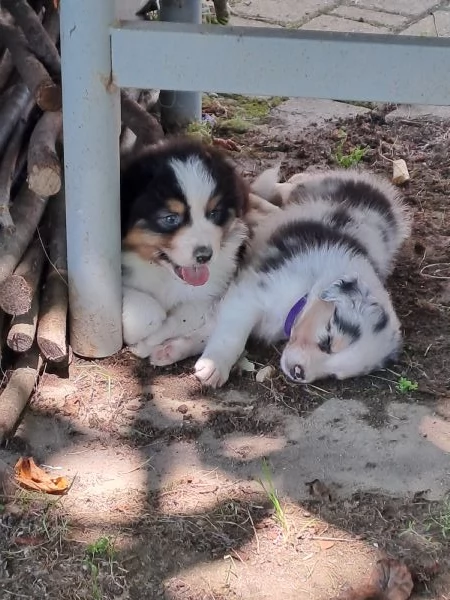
column 272, row 494
column 441, row 520
column 100, row 550
column 353, row 158
column 405, row 385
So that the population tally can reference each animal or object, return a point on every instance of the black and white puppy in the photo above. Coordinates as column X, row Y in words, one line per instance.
column 316, row 279
column 183, row 208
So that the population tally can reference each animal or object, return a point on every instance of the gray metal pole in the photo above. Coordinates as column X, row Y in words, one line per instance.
column 179, row 108
column 91, row 119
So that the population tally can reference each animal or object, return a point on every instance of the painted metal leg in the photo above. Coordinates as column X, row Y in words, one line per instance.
column 91, row 118
column 180, row 108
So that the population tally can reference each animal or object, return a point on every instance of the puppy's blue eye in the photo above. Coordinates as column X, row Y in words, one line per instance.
column 170, row 221
column 216, row 215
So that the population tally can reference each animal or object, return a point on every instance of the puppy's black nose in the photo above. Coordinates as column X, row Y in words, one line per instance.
column 203, row 254
column 297, row 373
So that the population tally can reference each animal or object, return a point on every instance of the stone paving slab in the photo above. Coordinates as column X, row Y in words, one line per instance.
column 435, row 25
column 374, row 17
column 242, row 22
column 281, row 11
column 405, row 7
column 333, row 23
column 296, row 114
column 418, row 111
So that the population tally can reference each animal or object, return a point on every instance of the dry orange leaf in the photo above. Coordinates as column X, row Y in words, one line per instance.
column 32, row 477
column 325, row 544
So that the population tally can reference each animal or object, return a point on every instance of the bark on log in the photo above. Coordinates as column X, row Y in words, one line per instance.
column 38, row 39
column 20, row 172
column 2, row 321
column 14, row 102
column 8, row 166
column 44, row 167
column 18, row 290
column 18, row 390
column 35, row 75
column 52, row 327
column 26, row 212
column 51, row 25
column 147, row 129
column 6, row 68
column 23, row 328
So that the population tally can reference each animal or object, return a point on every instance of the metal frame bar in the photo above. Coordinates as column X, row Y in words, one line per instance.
column 264, row 61
column 91, row 120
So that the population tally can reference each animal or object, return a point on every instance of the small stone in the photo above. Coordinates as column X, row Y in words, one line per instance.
column 265, row 373
column 183, row 408
column 400, row 173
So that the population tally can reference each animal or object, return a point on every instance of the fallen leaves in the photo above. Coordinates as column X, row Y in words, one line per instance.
column 227, row 144
column 31, row 477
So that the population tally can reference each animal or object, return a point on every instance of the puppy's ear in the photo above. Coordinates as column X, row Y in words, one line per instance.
column 346, row 289
column 350, row 292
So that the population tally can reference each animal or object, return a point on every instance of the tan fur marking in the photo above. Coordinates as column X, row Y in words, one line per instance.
column 339, row 343
column 145, row 243
column 212, row 203
column 304, row 332
column 176, row 206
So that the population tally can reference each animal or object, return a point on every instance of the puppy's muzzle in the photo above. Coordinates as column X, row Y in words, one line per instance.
column 297, row 374
column 203, row 254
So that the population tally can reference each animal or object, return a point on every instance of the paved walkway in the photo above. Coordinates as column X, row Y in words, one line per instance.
column 414, row 17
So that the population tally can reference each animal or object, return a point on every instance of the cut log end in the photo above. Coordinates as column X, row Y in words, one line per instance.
column 48, row 96
column 20, row 341
column 45, row 180
column 53, row 351
column 16, row 297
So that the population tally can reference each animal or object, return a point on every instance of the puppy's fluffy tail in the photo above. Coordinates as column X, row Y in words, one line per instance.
column 267, row 186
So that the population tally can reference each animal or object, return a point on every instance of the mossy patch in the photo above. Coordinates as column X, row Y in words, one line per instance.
column 237, row 113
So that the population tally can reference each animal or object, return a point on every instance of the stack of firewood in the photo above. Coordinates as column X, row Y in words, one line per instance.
column 33, row 265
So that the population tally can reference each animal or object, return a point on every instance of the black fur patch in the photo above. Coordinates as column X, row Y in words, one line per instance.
column 148, row 182
column 298, row 237
column 351, row 193
column 352, row 330
column 348, row 287
column 382, row 322
column 340, row 219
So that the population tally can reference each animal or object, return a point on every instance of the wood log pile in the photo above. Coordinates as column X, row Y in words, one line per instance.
column 33, row 263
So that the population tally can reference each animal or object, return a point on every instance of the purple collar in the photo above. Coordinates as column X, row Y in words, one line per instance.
column 293, row 314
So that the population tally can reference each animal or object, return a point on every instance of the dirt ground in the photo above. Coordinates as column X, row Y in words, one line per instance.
column 260, row 490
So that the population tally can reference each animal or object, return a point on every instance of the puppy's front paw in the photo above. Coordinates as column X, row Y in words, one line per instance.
column 209, row 372
column 141, row 349
column 163, row 355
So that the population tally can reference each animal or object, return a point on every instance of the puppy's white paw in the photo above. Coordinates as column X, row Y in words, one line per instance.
column 141, row 349
column 209, row 372
column 166, row 354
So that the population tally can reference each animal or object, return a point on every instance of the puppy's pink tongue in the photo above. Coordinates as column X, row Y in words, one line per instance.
column 194, row 275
